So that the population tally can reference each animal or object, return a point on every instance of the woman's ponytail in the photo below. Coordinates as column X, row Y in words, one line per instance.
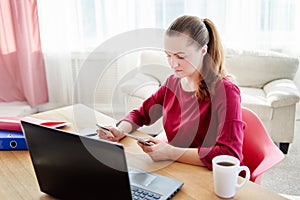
column 215, row 48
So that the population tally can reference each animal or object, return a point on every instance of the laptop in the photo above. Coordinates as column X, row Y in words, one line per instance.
column 71, row 166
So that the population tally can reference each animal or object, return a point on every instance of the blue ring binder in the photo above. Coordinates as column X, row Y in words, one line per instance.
column 12, row 140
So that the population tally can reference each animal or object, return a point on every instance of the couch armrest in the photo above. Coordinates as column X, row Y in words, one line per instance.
column 282, row 92
column 141, row 86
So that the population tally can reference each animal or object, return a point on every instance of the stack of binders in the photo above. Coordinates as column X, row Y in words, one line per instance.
column 11, row 135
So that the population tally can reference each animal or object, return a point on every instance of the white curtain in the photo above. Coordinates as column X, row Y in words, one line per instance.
column 71, row 26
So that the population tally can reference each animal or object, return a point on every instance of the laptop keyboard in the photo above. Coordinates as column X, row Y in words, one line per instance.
column 139, row 194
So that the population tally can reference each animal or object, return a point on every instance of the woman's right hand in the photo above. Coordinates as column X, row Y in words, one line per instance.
column 114, row 135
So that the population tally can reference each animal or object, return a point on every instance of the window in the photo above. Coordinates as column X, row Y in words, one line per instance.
column 258, row 23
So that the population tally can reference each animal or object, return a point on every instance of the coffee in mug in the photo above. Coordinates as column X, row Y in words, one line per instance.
column 225, row 172
column 225, row 163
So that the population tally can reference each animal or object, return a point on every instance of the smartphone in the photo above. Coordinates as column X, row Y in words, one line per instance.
column 106, row 130
column 138, row 139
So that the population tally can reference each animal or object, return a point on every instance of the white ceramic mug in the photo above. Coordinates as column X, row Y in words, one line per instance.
column 225, row 172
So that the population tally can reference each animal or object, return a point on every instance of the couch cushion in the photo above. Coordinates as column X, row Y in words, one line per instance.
column 256, row 68
column 282, row 93
column 155, row 64
column 145, row 91
column 256, row 100
column 141, row 86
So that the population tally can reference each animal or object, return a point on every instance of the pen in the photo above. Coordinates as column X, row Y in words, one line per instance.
column 91, row 134
column 94, row 134
column 106, row 130
column 102, row 127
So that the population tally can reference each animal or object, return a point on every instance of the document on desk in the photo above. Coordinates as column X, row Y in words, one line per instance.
column 14, row 123
column 48, row 123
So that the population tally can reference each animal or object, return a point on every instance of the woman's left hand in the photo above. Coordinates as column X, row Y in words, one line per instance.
column 159, row 150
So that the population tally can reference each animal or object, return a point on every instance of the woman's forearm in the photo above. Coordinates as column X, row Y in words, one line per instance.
column 125, row 126
column 186, row 155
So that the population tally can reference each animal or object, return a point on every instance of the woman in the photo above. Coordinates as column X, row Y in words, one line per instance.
column 200, row 106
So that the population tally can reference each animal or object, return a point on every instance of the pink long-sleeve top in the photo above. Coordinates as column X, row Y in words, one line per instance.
column 214, row 126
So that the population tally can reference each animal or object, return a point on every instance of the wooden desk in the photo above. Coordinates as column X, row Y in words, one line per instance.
column 18, row 181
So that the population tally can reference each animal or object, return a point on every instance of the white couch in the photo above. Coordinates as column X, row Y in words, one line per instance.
column 265, row 79
column 16, row 109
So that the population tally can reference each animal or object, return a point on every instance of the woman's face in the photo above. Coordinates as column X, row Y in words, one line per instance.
column 184, row 58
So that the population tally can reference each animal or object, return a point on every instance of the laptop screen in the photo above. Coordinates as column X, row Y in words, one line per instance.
column 69, row 166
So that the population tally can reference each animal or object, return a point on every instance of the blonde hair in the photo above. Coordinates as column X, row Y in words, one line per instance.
column 203, row 32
